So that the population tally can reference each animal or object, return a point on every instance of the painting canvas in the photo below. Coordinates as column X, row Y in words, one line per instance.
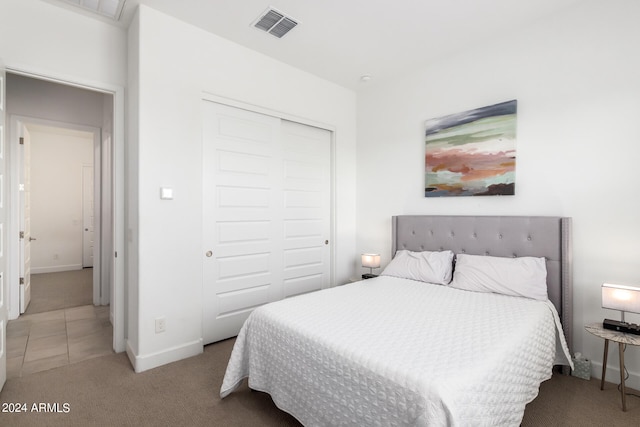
column 472, row 153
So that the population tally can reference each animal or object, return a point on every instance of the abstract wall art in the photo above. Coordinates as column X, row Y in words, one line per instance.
column 472, row 153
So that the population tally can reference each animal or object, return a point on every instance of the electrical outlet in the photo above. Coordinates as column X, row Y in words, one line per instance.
column 161, row 324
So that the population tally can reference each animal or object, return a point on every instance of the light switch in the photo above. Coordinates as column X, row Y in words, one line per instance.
column 166, row 193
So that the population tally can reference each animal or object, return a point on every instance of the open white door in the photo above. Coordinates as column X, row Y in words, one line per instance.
column 4, row 295
column 25, row 218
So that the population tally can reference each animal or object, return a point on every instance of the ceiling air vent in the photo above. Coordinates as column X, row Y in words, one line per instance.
column 275, row 23
column 111, row 9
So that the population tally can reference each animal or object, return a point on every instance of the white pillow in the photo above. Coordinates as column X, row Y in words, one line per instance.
column 426, row 266
column 524, row 276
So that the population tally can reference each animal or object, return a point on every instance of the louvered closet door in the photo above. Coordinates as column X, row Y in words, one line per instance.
column 261, row 213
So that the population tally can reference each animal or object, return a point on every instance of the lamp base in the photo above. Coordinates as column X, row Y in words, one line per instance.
column 616, row 325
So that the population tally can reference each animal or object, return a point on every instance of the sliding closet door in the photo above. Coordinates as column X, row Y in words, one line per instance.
column 307, row 203
column 264, row 232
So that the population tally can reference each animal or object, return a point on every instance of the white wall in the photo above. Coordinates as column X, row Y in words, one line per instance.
column 40, row 99
column 57, row 159
column 575, row 76
column 38, row 36
column 176, row 63
column 131, row 178
column 107, row 218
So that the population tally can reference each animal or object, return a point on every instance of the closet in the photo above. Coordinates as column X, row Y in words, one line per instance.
column 267, row 213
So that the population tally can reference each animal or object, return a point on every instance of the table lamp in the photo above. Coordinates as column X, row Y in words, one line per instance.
column 371, row 261
column 623, row 298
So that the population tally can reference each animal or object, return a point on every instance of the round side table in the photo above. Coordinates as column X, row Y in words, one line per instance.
column 621, row 338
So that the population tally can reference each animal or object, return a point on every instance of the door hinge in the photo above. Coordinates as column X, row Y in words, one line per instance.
column 22, row 234
column 21, row 141
column 22, row 280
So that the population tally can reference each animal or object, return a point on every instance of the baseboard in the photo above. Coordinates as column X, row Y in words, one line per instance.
column 613, row 374
column 56, row 268
column 130, row 354
column 150, row 361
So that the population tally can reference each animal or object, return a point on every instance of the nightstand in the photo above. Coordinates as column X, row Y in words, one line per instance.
column 621, row 338
column 368, row 276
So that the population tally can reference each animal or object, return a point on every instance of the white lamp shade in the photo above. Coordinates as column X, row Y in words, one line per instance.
column 371, row 260
column 621, row 297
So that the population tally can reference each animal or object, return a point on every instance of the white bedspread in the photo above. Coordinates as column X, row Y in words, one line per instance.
column 389, row 351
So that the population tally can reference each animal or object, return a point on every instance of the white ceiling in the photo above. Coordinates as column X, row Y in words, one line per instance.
column 341, row 40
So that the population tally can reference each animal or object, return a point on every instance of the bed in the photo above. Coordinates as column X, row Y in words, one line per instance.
column 398, row 351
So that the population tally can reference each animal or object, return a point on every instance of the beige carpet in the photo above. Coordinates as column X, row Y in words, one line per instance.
column 106, row 392
column 56, row 291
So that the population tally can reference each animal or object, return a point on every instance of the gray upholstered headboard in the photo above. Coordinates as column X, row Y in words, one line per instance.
column 504, row 236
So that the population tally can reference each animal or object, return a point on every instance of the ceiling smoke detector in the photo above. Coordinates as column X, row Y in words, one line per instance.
column 275, row 22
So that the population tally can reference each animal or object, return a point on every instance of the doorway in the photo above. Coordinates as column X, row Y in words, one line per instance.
column 49, row 102
column 57, row 198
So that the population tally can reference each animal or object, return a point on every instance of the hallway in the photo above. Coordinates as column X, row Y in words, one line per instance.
column 65, row 289
column 61, row 326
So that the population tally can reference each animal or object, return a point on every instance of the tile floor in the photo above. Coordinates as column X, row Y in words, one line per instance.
column 61, row 325
column 42, row 341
